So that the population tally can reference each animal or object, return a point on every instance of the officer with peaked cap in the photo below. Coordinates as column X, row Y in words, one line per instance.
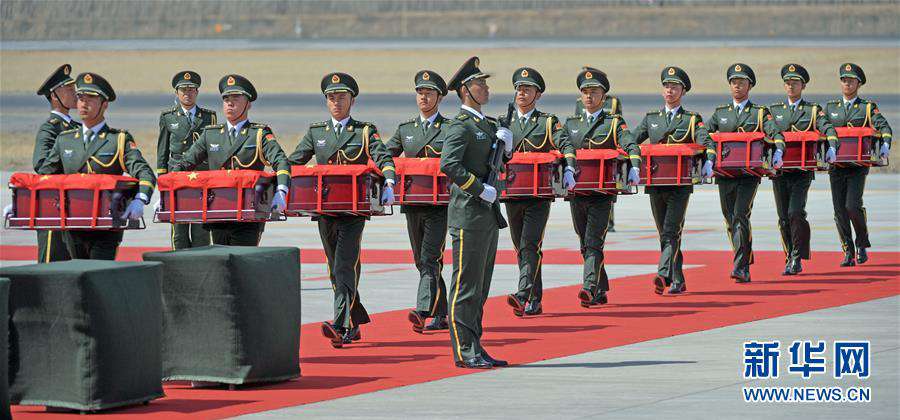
column 179, row 127
column 238, row 144
column 672, row 124
column 423, row 136
column 95, row 148
column 792, row 187
column 611, row 104
column 343, row 140
column 848, row 183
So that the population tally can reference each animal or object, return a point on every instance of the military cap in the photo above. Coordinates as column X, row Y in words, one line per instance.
column 793, row 71
column 59, row 77
column 95, row 85
column 528, row 76
column 430, row 80
column 741, row 71
column 186, row 78
column 468, row 71
column 237, row 84
column 339, row 82
column 591, row 77
column 676, row 75
column 854, row 71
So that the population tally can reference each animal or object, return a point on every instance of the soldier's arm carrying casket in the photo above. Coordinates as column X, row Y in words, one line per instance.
column 394, row 145
column 304, row 150
column 771, row 129
column 452, row 159
column 275, row 158
column 137, row 167
column 379, row 154
column 881, row 124
column 195, row 155
column 565, row 146
column 701, row 136
column 627, row 142
column 823, row 126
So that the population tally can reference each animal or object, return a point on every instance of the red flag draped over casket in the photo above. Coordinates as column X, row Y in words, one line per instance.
column 335, row 190
column 216, row 196
column 739, row 154
column 421, row 182
column 859, row 146
column 602, row 171
column 72, row 201
column 800, row 150
column 671, row 164
column 531, row 175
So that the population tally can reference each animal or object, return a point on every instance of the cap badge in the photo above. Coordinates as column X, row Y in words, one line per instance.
column 848, row 68
column 426, row 76
column 792, row 68
column 187, row 76
column 88, row 78
column 588, row 75
column 66, row 70
column 335, row 78
column 230, row 81
column 737, row 67
column 671, row 71
column 477, row 62
column 524, row 73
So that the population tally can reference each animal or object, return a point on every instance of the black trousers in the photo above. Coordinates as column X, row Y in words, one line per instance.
column 669, row 207
column 590, row 215
column 847, row 187
column 791, row 191
column 341, row 238
column 97, row 245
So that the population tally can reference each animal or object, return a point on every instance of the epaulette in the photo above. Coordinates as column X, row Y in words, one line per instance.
column 491, row 119
column 409, row 121
column 364, row 123
column 778, row 104
column 71, row 130
column 723, row 106
column 689, row 112
column 318, row 124
column 573, row 117
column 53, row 120
column 258, row 125
column 214, row 127
column 169, row 111
column 208, row 111
column 117, row 130
column 835, row 101
column 655, row 112
column 815, row 104
column 462, row 116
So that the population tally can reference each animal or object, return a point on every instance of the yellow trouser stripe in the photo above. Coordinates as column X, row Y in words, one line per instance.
column 438, row 279
column 173, row 237
column 456, row 295
column 49, row 245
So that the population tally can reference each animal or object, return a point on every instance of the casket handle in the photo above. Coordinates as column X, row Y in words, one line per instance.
column 210, row 197
column 407, row 183
column 510, row 174
column 654, row 166
column 725, row 151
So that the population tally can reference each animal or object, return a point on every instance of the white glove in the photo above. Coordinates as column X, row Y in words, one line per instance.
column 634, row 177
column 134, row 211
column 387, row 195
column 777, row 162
column 569, row 179
column 885, row 150
column 489, row 194
column 707, row 171
column 830, row 155
column 279, row 200
column 7, row 211
column 506, row 136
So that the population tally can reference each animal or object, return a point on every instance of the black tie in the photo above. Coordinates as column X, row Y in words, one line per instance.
column 671, row 115
column 425, row 126
column 337, row 128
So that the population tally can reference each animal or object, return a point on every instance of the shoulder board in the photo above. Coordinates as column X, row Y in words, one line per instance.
column 619, row 116
column 364, row 123
column 214, row 127
column 573, row 117
column 865, row 101
column 548, row 115
column 689, row 112
column 117, row 130
column 318, row 124
column 836, row 102
column 462, row 116
column 489, row 118
column 169, row 111
column 69, row 131
column 53, row 120
column 655, row 112
column 259, row 125
column 723, row 106
column 778, row 104
column 409, row 121
column 815, row 104
column 208, row 111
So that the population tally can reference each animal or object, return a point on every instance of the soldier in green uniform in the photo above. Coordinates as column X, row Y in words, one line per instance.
column 179, row 127
column 848, row 184
column 594, row 129
column 673, row 124
column 343, row 140
column 533, row 131
column 423, row 136
column 792, row 187
column 238, row 144
column 59, row 89
column 473, row 216
column 736, row 194
column 95, row 148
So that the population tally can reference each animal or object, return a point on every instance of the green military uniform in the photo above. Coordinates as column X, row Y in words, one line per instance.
column 792, row 187
column 178, row 129
column 591, row 214
column 736, row 194
column 473, row 222
column 108, row 151
column 51, row 246
column 349, row 143
column 848, row 184
column 426, row 225
column 249, row 146
column 669, row 203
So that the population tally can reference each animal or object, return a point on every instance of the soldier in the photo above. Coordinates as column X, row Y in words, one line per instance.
column 847, row 184
column 343, row 140
column 179, row 127
column 423, row 137
column 473, row 216
column 736, row 194
column 611, row 106
column 59, row 89
column 673, row 125
column 792, row 187
column 594, row 129
column 238, row 144
column 95, row 148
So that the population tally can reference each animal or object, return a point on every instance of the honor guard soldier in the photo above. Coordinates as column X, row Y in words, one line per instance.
column 423, row 136
column 473, row 216
column 59, row 89
column 847, row 184
column 343, row 140
column 792, row 187
column 736, row 194
column 238, row 144
column 95, row 148
column 533, row 131
column 179, row 127
column 673, row 125
column 594, row 129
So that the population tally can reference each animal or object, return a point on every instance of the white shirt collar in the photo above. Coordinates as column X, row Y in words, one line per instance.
column 851, row 100
column 794, row 103
column 472, row 110
column 595, row 115
column 343, row 122
column 675, row 110
column 65, row 117
column 236, row 127
column 192, row 111
column 741, row 105
column 526, row 115
column 430, row 119
column 96, row 129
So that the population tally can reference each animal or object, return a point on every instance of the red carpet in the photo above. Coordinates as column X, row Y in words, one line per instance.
column 391, row 355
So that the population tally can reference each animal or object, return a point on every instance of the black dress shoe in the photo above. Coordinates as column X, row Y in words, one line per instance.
column 659, row 285
column 351, row 335
column 437, row 323
column 333, row 333
column 677, row 288
column 848, row 261
column 600, row 298
column 585, row 296
column 787, row 269
column 534, row 308
column 493, row 361
column 862, row 256
column 418, row 320
column 517, row 304
column 474, row 363
column 741, row 275
column 796, row 267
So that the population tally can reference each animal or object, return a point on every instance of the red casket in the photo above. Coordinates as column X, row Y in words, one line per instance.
column 739, row 154
column 216, row 196
column 671, row 164
column 421, row 182
column 71, row 202
column 531, row 175
column 352, row 190
column 602, row 171
column 859, row 146
column 801, row 150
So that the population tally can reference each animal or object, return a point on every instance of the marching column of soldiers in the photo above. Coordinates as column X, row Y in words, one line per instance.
column 191, row 139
